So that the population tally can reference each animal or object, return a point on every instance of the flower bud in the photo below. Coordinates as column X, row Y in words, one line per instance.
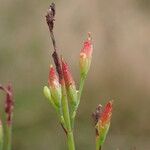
column 103, row 122
column 86, row 56
column 46, row 92
column 55, row 88
column 106, row 114
column 69, row 82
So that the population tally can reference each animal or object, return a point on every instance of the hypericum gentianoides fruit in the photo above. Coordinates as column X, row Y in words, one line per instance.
column 55, row 87
column 69, row 83
column 86, row 56
column 102, row 119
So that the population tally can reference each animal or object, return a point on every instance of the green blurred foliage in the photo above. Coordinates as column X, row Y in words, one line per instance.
column 120, row 69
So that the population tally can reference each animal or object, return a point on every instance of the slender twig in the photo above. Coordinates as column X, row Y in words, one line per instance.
column 50, row 18
column 82, row 80
column 58, row 65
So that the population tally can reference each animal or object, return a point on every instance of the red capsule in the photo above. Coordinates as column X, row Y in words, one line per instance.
column 53, row 79
column 87, row 47
column 106, row 114
column 67, row 75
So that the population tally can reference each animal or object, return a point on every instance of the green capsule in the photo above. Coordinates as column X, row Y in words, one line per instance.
column 46, row 92
column 56, row 95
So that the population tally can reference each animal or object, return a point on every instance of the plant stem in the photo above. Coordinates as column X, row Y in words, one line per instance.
column 98, row 147
column 1, row 136
column 65, row 108
column 70, row 140
column 82, row 80
column 7, row 137
column 97, row 143
column 50, row 17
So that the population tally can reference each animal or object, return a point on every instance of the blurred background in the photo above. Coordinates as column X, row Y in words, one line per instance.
column 120, row 69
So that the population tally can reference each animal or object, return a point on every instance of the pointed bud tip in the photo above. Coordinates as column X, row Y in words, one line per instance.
column 52, row 70
column 62, row 59
column 64, row 64
column 52, row 73
column 82, row 55
column 110, row 102
column 67, row 74
column 51, row 66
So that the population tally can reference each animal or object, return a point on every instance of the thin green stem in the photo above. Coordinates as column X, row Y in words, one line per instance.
column 65, row 109
column 82, row 80
column 70, row 139
column 7, row 137
column 61, row 118
column 50, row 17
column 58, row 110
column 97, row 143
column 98, row 146
column 1, row 137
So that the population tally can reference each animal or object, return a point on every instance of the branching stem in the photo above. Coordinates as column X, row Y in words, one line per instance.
column 50, row 17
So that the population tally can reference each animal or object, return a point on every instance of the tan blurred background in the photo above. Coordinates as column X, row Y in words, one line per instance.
column 120, row 69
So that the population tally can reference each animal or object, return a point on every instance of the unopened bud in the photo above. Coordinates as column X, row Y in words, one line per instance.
column 46, row 92
column 86, row 56
column 55, row 88
column 103, row 122
column 69, row 82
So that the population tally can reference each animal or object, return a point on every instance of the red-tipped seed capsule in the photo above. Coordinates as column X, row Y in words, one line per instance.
column 69, row 82
column 102, row 118
column 55, row 87
column 86, row 56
